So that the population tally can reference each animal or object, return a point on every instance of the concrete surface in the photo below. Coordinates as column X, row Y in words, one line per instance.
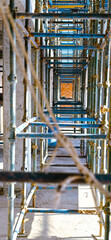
column 52, row 226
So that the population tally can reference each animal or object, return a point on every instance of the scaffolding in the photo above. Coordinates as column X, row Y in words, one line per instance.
column 73, row 41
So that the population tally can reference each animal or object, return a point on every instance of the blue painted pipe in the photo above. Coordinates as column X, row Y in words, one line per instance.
column 67, row 28
column 64, row 35
column 53, row 135
column 50, row 1
column 67, row 3
column 66, row 10
column 69, row 112
column 67, row 22
column 80, row 125
column 75, row 119
column 67, row 68
column 93, row 16
column 66, row 81
column 62, row 211
column 66, row 77
column 68, row 47
column 72, row 63
column 73, row 72
column 54, row 188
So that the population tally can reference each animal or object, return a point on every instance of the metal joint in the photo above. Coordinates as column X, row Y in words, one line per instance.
column 23, row 169
column 34, row 146
column 14, row 12
column 95, row 77
column 12, row 78
column 104, row 109
column 24, row 119
column 24, row 82
column 12, row 134
column 105, row 84
column 99, row 85
column 106, row 210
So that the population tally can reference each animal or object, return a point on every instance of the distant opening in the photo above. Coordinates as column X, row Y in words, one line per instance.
column 66, row 90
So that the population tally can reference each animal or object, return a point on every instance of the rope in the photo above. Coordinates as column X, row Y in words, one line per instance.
column 63, row 141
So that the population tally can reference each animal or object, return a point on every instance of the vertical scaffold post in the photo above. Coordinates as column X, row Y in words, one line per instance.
column 105, row 101
column 12, row 81
column 100, row 147
column 25, row 118
column 46, row 76
column 34, row 146
column 41, row 80
column 88, row 105
column 108, row 205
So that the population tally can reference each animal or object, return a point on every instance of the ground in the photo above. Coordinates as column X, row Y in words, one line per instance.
column 52, row 226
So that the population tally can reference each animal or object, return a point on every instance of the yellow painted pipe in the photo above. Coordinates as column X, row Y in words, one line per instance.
column 66, row 6
column 61, row 30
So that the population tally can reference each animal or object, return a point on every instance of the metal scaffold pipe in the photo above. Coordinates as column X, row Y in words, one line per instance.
column 38, row 177
column 69, row 47
column 81, row 125
column 26, row 142
column 78, row 37
column 12, row 81
column 72, row 63
column 52, row 135
column 67, row 58
column 22, row 213
column 64, row 35
column 94, row 16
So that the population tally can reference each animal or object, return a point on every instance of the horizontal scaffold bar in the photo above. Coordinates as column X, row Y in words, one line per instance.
column 66, row 28
column 69, row 111
column 67, row 10
column 69, row 63
column 67, row 103
column 61, row 211
column 67, row 57
column 72, row 2
column 68, row 47
column 25, row 124
column 73, row 72
column 54, row 135
column 69, row 68
column 68, row 108
column 75, row 119
column 67, row 77
column 66, row 5
column 66, row 22
column 80, row 125
column 66, row 81
column 54, row 188
column 6, row 176
column 94, row 16
column 63, row 35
